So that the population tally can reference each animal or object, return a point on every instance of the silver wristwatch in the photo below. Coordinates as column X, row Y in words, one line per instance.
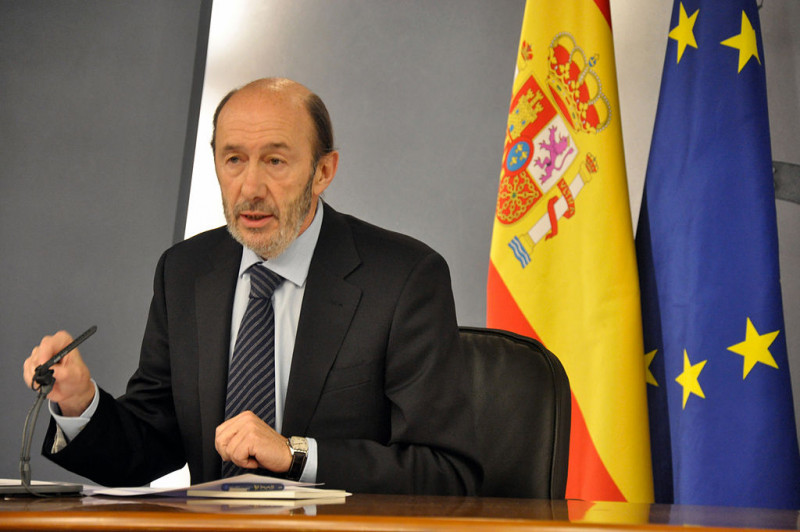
column 298, row 446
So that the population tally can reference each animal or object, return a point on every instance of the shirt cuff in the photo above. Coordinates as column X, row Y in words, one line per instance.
column 71, row 426
column 310, row 470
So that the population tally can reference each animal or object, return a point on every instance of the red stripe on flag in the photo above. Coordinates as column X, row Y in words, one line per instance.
column 588, row 477
column 502, row 311
column 605, row 9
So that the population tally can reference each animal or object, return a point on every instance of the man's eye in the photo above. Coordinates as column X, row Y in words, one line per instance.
column 234, row 159
column 274, row 161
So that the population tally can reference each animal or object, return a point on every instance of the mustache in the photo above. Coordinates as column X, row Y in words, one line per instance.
column 255, row 207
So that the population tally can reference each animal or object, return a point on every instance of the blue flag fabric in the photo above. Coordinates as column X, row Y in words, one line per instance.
column 721, row 414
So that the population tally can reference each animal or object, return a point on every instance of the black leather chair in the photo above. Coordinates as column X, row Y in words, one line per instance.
column 523, row 407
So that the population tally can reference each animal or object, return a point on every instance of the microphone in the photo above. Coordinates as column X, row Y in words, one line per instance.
column 43, row 377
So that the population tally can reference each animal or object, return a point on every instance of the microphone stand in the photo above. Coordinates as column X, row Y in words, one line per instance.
column 27, row 440
column 43, row 377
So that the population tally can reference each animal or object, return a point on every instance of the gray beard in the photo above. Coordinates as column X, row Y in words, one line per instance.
column 289, row 224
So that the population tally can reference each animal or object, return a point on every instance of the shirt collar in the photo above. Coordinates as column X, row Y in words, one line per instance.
column 293, row 263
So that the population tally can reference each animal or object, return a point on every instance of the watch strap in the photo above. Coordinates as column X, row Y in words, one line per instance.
column 298, row 446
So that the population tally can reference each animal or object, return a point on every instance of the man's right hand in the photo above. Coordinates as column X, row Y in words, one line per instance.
column 73, row 390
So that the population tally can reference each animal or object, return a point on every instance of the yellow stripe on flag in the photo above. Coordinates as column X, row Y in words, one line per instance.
column 562, row 242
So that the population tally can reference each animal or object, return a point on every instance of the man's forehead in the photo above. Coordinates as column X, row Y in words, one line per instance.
column 255, row 114
column 250, row 106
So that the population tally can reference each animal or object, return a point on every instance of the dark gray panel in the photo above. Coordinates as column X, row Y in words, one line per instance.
column 93, row 118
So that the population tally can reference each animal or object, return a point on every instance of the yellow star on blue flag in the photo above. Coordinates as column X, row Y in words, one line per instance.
column 689, row 379
column 683, row 33
column 755, row 348
column 745, row 42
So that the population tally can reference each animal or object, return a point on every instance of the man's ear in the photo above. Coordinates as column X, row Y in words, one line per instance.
column 326, row 170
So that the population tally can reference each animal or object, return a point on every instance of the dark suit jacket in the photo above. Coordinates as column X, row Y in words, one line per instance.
column 377, row 374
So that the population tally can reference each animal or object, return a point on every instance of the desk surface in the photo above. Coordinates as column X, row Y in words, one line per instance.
column 378, row 512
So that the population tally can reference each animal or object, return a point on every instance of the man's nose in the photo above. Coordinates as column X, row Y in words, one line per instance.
column 254, row 185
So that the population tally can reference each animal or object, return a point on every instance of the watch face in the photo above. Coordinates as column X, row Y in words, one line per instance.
column 296, row 443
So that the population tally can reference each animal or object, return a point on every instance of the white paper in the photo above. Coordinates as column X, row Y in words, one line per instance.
column 180, row 492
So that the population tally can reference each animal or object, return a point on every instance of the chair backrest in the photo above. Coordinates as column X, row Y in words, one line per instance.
column 523, row 407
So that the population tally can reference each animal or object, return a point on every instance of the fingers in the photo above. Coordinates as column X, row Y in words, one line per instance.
column 238, row 438
column 50, row 346
column 47, row 349
column 249, row 442
column 73, row 389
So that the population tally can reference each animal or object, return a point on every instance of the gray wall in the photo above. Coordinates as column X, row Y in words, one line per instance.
column 780, row 22
column 94, row 104
column 93, row 115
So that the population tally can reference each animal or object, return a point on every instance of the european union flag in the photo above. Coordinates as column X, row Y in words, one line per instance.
column 721, row 414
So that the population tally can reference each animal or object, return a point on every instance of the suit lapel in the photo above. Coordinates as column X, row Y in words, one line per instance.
column 214, row 291
column 328, row 307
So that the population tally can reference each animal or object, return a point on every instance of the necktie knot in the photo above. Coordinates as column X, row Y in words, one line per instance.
column 263, row 281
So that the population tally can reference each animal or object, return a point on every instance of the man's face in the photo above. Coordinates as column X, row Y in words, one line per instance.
column 265, row 168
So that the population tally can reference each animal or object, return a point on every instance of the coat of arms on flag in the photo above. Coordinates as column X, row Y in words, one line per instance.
column 544, row 166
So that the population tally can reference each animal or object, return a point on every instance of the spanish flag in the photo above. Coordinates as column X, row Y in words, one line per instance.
column 563, row 265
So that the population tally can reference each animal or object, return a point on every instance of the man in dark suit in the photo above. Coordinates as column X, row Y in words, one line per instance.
column 371, row 392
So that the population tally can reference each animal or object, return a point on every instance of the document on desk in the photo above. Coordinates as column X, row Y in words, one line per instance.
column 247, row 486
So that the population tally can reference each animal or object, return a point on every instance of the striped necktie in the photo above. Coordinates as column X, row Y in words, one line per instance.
column 251, row 376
